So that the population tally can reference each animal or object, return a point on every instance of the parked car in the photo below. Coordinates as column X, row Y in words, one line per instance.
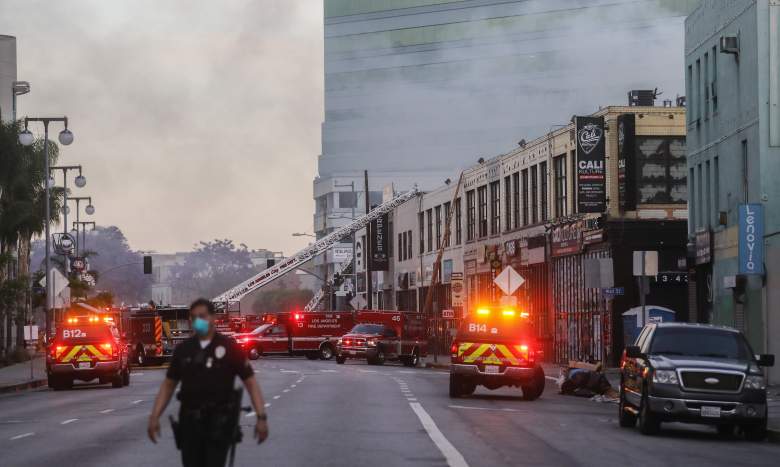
column 693, row 373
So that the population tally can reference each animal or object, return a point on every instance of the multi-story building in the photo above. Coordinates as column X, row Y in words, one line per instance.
column 7, row 75
column 531, row 208
column 732, row 60
column 418, row 89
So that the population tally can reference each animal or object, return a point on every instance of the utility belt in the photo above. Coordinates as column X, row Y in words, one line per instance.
column 212, row 422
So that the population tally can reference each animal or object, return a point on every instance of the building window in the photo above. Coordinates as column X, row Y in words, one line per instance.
column 470, row 215
column 700, row 197
column 447, row 223
column 516, row 200
column 708, row 198
column 543, row 193
column 409, row 254
column 429, row 217
column 689, row 92
column 347, row 199
column 321, row 204
column 421, row 225
column 525, row 197
column 716, row 194
column 483, row 216
column 573, row 172
column 706, row 85
column 507, row 202
column 692, row 201
column 438, row 226
column 495, row 208
column 698, row 89
column 534, row 194
column 458, row 216
column 401, row 249
column 714, row 80
column 660, row 169
column 559, row 169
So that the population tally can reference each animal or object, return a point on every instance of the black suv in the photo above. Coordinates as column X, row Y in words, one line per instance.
column 678, row 372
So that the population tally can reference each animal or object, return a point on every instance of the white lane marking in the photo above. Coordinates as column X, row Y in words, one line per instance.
column 411, row 399
column 23, row 435
column 276, row 397
column 454, row 458
column 289, row 371
column 137, row 373
column 107, row 411
column 329, row 371
column 138, row 401
column 70, row 420
column 250, row 414
column 407, row 371
column 267, row 404
column 285, row 390
column 367, row 371
column 492, row 409
column 293, row 385
column 299, row 381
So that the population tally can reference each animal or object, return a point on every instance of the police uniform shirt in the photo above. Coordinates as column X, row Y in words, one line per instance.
column 208, row 374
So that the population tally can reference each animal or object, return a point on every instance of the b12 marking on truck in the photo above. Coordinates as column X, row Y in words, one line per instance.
column 73, row 333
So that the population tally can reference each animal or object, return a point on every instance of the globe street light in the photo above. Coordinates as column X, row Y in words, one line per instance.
column 26, row 138
column 90, row 209
column 80, row 182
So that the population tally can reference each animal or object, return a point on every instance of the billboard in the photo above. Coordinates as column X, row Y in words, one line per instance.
column 626, row 157
column 591, row 169
column 380, row 256
column 751, row 238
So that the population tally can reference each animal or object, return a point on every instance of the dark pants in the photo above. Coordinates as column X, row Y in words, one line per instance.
column 197, row 444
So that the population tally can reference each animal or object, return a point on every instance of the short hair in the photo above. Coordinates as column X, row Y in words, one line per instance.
column 204, row 302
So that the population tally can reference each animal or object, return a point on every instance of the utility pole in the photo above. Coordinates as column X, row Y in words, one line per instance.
column 367, row 248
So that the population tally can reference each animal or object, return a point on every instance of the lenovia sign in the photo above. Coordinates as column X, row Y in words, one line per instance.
column 751, row 238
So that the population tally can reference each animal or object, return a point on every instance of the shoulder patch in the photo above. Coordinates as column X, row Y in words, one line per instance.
column 219, row 352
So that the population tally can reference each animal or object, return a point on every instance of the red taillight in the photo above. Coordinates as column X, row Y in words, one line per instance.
column 454, row 348
column 56, row 350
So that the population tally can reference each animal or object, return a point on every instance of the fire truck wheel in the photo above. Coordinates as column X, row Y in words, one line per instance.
column 326, row 352
column 117, row 380
column 126, row 377
column 57, row 383
column 535, row 388
column 413, row 360
column 380, row 357
column 254, row 354
column 140, row 358
column 340, row 360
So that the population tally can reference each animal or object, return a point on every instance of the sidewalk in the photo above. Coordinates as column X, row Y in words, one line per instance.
column 552, row 370
column 17, row 377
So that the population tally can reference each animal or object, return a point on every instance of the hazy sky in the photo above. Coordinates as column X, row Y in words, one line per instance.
column 193, row 120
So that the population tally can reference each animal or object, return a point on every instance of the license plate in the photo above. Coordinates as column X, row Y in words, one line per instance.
column 491, row 369
column 710, row 412
column 84, row 365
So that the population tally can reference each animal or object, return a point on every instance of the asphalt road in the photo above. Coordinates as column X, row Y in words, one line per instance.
column 323, row 414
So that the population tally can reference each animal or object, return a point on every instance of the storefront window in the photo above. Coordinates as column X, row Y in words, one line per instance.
column 661, row 170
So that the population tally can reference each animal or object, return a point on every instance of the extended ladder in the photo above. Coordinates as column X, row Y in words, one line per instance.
column 289, row 264
column 315, row 301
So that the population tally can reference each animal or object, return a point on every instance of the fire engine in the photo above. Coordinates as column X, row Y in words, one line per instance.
column 385, row 335
column 495, row 347
column 312, row 334
column 153, row 332
column 87, row 345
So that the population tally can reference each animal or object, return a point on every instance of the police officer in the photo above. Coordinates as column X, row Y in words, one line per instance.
column 206, row 365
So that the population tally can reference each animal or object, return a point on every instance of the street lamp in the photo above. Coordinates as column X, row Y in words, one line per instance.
column 26, row 138
column 80, row 182
column 90, row 209
column 303, row 234
column 83, row 226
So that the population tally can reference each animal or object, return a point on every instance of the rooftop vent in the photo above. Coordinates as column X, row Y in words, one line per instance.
column 643, row 97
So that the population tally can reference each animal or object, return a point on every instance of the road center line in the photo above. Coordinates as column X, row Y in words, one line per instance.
column 23, row 435
column 250, row 414
column 493, row 409
column 285, row 390
column 267, row 404
column 70, row 420
column 276, row 397
column 138, row 401
column 454, row 458
column 107, row 411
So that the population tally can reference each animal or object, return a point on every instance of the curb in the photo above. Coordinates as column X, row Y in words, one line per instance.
column 36, row 383
column 438, row 366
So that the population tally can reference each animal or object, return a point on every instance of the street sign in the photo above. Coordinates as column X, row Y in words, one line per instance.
column 645, row 263
column 63, row 243
column 613, row 291
column 751, row 239
column 30, row 332
column 448, row 314
column 77, row 264
column 509, row 280
column 358, row 303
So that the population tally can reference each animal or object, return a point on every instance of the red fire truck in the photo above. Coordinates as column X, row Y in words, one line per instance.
column 312, row 334
column 385, row 335
column 153, row 332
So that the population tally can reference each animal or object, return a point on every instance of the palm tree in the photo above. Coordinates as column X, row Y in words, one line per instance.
column 22, row 201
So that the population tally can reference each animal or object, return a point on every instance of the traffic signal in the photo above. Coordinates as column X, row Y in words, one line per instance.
column 147, row 264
